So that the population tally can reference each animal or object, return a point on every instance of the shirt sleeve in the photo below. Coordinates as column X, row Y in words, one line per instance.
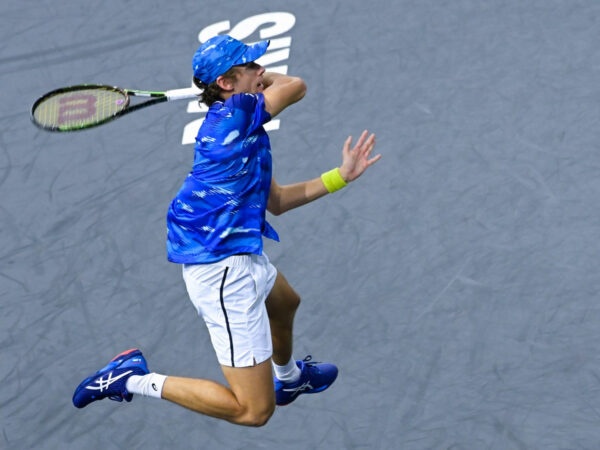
column 253, row 105
column 228, row 126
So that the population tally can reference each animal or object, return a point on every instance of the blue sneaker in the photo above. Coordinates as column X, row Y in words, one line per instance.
column 315, row 377
column 110, row 380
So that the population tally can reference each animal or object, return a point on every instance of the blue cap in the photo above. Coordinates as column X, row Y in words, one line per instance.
column 220, row 53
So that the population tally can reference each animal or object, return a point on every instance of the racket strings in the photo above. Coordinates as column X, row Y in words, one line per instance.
column 81, row 108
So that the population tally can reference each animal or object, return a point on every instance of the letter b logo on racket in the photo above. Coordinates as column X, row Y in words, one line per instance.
column 76, row 107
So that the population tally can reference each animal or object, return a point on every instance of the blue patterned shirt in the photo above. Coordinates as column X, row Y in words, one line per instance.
column 219, row 210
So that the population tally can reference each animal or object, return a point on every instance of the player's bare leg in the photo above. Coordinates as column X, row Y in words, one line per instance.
column 282, row 304
column 249, row 400
column 292, row 377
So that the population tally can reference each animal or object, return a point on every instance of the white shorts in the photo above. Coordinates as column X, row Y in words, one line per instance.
column 230, row 296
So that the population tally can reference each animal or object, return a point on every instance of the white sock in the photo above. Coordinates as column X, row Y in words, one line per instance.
column 288, row 373
column 149, row 385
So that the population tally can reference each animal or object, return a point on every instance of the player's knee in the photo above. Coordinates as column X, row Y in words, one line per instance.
column 258, row 417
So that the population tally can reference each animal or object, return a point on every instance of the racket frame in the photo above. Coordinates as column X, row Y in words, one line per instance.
column 154, row 98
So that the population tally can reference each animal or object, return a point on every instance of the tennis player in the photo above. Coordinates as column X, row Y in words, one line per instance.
column 216, row 224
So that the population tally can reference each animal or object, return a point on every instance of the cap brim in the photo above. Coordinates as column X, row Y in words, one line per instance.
column 253, row 52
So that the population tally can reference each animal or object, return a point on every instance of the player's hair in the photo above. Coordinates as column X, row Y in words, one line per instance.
column 212, row 92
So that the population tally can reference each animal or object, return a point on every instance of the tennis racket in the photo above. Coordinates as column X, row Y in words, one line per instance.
column 89, row 105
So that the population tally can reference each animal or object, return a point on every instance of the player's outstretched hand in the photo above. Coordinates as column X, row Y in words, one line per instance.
column 355, row 160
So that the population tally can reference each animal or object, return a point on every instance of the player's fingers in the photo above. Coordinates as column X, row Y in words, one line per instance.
column 347, row 144
column 371, row 140
column 373, row 160
column 368, row 146
column 362, row 139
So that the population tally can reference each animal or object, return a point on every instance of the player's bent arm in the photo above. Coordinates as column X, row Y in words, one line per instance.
column 290, row 196
column 281, row 91
column 355, row 160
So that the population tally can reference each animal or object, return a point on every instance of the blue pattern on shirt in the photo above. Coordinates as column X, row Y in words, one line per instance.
column 220, row 209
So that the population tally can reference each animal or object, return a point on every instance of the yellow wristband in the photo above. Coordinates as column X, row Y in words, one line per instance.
column 333, row 180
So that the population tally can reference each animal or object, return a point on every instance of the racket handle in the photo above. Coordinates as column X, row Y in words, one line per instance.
column 182, row 94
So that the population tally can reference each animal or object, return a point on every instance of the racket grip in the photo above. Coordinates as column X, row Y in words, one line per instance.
column 182, row 94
